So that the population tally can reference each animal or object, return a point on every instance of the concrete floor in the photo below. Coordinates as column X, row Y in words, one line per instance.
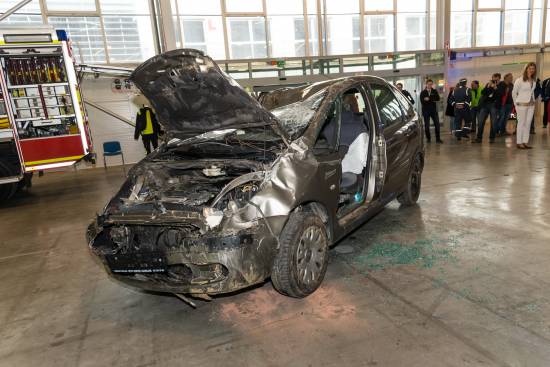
column 462, row 279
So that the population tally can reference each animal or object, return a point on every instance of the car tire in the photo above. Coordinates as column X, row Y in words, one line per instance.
column 414, row 183
column 9, row 189
column 301, row 263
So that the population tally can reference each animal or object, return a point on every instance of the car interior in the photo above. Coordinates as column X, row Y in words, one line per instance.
column 347, row 131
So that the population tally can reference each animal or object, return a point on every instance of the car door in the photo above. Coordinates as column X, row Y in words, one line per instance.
column 391, row 121
column 413, row 128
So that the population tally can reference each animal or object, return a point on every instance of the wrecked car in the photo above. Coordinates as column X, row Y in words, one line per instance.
column 244, row 190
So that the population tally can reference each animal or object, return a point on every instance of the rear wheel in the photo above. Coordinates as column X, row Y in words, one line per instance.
column 414, row 183
column 9, row 189
column 301, row 264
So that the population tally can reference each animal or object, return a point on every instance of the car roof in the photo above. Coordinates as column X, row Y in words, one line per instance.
column 284, row 96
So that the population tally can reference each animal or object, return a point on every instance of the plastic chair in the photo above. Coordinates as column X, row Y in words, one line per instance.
column 110, row 149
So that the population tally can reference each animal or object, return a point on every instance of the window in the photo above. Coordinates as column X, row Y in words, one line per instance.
column 516, row 27
column 379, row 5
column 128, row 30
column 247, row 37
column 461, row 29
column 379, row 33
column 387, row 104
column 129, row 38
column 244, row 6
column 70, row 5
column 201, row 26
column 411, row 28
column 287, row 36
column 536, row 24
column 86, row 37
column 433, row 24
column 487, row 23
column 27, row 15
column 202, row 7
column 343, row 34
column 489, row 4
column 205, row 34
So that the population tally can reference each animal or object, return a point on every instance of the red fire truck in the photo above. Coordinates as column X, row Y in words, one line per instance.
column 43, row 123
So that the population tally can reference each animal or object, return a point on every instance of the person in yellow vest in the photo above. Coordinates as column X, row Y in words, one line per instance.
column 148, row 127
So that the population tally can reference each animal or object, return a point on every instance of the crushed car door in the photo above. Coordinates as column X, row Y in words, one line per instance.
column 390, row 117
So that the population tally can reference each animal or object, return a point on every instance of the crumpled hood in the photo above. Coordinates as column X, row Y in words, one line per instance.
column 192, row 95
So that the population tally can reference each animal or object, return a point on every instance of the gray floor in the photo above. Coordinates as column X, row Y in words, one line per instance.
column 463, row 279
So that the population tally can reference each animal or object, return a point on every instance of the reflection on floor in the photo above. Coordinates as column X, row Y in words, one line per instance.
column 461, row 279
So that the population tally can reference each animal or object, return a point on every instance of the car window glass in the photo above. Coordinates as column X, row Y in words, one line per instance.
column 404, row 102
column 387, row 104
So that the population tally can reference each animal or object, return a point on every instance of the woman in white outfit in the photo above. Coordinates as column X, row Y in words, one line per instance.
column 524, row 100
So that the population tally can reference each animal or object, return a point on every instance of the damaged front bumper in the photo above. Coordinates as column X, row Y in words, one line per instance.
column 163, row 259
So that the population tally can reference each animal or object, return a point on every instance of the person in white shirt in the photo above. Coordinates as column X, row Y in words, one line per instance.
column 524, row 100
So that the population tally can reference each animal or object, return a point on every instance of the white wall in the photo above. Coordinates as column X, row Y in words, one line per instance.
column 106, row 128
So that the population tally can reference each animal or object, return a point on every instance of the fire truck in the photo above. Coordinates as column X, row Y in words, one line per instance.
column 43, row 123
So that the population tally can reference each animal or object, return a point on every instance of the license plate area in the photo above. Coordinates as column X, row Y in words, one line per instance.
column 149, row 262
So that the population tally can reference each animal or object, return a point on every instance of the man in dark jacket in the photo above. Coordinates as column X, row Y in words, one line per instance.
column 462, row 98
column 546, row 99
column 148, row 127
column 504, row 102
column 428, row 99
column 487, row 108
column 405, row 92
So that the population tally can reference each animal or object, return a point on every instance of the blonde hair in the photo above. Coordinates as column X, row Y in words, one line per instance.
column 525, row 71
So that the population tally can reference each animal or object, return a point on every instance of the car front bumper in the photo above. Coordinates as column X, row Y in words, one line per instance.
column 211, row 264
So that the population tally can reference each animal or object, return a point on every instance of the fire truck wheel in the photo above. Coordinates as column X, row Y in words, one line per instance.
column 7, row 190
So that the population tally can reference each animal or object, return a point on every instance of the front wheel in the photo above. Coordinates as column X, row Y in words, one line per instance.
column 412, row 192
column 301, row 263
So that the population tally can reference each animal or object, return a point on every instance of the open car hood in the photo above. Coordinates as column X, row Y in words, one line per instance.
column 192, row 95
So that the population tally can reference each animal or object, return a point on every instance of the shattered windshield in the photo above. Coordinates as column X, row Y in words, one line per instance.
column 295, row 117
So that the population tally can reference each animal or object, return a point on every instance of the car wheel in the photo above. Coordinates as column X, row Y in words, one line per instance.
column 9, row 189
column 414, row 183
column 301, row 263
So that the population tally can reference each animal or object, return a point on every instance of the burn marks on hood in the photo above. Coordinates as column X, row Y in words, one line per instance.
column 192, row 95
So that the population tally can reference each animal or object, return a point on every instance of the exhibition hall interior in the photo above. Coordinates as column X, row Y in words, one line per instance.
column 274, row 183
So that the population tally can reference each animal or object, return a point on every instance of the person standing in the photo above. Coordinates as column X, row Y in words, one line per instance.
column 428, row 99
column 148, row 127
column 449, row 110
column 462, row 98
column 504, row 102
column 523, row 95
column 487, row 108
column 546, row 99
column 405, row 92
column 475, row 90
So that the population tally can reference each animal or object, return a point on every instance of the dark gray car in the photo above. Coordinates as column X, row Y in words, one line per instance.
column 247, row 190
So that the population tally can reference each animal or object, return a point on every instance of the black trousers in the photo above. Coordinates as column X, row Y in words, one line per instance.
column 435, row 117
column 545, row 115
column 463, row 114
column 148, row 140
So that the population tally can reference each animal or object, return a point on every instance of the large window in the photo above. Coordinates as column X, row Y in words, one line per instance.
column 247, row 37
column 379, row 33
column 487, row 22
column 86, row 37
column 497, row 22
column 28, row 15
column 129, row 36
column 461, row 23
column 200, row 26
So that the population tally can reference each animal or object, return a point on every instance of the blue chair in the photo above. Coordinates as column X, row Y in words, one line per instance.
column 110, row 149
